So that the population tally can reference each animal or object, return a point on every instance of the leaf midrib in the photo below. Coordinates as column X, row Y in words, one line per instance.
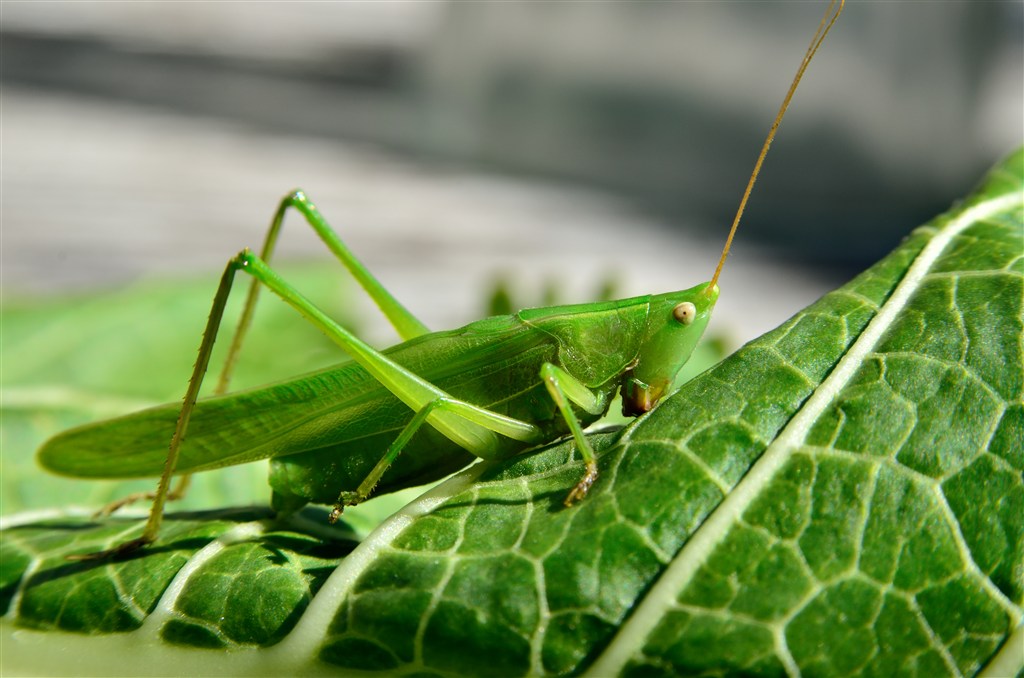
column 663, row 595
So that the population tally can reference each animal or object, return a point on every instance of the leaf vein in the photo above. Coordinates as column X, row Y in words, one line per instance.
column 696, row 551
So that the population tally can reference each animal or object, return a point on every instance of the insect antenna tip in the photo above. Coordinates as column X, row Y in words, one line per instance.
column 832, row 12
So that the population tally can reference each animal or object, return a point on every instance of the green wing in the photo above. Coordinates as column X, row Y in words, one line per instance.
column 489, row 363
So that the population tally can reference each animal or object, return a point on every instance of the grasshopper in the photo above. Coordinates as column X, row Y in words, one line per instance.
column 412, row 413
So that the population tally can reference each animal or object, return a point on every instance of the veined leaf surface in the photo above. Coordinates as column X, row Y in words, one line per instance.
column 842, row 496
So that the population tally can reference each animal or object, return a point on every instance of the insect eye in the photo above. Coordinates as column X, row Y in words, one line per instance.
column 684, row 312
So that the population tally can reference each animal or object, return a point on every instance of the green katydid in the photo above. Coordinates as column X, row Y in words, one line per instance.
column 417, row 411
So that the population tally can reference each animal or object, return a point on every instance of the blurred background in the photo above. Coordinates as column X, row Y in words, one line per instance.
column 450, row 143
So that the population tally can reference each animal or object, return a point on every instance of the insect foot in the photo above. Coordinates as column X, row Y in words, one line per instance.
column 117, row 551
column 122, row 502
column 344, row 499
column 583, row 486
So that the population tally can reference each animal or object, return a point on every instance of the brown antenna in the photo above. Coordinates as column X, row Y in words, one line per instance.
column 819, row 36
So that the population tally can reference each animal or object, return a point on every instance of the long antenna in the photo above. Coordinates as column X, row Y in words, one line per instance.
column 819, row 36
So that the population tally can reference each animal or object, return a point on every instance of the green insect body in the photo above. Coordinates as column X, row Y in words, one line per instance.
column 325, row 431
column 413, row 413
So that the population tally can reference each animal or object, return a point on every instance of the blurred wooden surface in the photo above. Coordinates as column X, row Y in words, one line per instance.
column 661, row 103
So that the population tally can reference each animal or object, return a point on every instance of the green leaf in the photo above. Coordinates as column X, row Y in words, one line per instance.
column 843, row 496
column 71, row 361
